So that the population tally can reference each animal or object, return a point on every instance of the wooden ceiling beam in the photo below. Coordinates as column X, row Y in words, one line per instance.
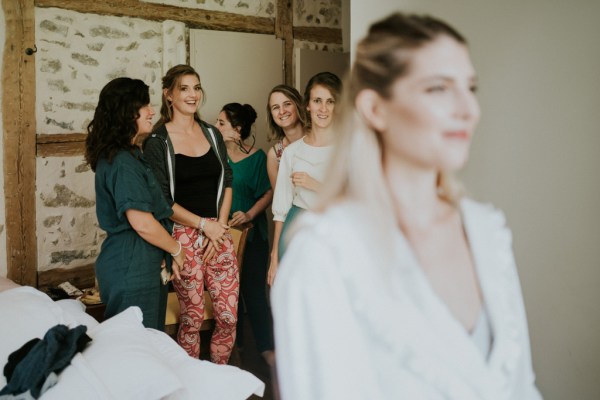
column 192, row 17
column 318, row 35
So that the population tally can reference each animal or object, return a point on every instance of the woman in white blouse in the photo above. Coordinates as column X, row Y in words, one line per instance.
column 304, row 162
column 397, row 287
column 287, row 120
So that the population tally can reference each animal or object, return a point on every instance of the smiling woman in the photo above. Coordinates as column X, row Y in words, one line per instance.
column 287, row 121
column 189, row 158
column 129, row 205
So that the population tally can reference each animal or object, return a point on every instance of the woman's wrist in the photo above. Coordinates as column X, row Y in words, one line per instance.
column 175, row 254
column 201, row 224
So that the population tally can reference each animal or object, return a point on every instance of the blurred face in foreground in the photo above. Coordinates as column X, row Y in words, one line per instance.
column 432, row 112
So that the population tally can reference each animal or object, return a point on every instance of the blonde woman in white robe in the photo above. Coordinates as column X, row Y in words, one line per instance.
column 399, row 287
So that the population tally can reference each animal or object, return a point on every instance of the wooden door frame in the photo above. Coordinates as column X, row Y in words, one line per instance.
column 18, row 111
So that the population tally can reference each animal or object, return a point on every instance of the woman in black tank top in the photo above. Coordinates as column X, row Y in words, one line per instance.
column 189, row 159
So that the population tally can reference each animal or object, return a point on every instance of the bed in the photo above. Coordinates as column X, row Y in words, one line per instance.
column 124, row 360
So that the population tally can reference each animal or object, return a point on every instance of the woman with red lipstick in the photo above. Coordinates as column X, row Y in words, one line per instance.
column 405, row 288
column 303, row 164
column 189, row 159
column 129, row 205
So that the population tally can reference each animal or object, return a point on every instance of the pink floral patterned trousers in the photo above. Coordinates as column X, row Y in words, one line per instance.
column 221, row 278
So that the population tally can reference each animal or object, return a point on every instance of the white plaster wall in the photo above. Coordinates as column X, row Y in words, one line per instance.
column 305, row 45
column 77, row 55
column 535, row 155
column 255, row 8
column 3, row 260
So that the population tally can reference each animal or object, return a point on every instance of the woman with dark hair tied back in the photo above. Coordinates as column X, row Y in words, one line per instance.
column 189, row 159
column 396, row 286
column 252, row 194
column 303, row 164
column 129, row 205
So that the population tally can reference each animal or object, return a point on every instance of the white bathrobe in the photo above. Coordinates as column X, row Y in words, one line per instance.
column 349, row 327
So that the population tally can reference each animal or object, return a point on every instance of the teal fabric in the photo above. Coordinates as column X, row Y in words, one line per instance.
column 250, row 182
column 294, row 212
column 34, row 366
column 128, row 267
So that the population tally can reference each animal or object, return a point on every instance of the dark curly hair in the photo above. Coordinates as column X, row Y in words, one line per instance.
column 242, row 116
column 114, row 125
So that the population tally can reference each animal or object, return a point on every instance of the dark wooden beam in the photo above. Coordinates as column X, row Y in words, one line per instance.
column 60, row 145
column 319, row 35
column 18, row 110
column 284, row 30
column 83, row 277
column 192, row 17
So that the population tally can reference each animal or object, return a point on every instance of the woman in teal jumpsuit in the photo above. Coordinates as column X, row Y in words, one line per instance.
column 129, row 205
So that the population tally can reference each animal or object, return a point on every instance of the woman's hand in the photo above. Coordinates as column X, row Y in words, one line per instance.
column 238, row 218
column 302, row 179
column 231, row 135
column 177, row 265
column 272, row 269
column 209, row 251
column 214, row 231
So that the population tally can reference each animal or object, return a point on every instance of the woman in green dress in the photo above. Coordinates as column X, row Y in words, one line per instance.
column 252, row 194
column 129, row 205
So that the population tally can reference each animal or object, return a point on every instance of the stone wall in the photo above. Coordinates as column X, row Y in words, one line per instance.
column 77, row 55
column 318, row 13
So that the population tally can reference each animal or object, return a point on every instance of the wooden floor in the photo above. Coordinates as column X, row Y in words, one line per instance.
column 247, row 359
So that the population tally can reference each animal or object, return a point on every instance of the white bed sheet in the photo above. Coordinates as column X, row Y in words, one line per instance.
column 124, row 359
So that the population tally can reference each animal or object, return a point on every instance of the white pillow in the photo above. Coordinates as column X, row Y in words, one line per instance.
column 203, row 379
column 76, row 310
column 78, row 381
column 25, row 314
column 123, row 359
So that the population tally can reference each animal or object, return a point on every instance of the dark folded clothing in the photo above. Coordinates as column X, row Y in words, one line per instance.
column 29, row 367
